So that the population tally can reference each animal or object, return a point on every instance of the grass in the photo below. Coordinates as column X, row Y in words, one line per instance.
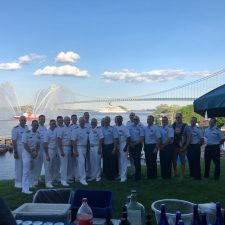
column 148, row 191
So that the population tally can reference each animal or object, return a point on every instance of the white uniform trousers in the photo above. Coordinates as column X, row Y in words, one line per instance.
column 71, row 165
column 28, row 171
column 82, row 151
column 64, row 163
column 19, row 167
column 76, row 169
column 51, row 170
column 38, row 164
column 122, row 161
column 95, row 160
column 88, row 164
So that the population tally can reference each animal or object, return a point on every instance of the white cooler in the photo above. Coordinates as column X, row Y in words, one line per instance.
column 43, row 212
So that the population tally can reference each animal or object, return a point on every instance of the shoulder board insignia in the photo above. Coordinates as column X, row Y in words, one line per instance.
column 16, row 126
column 28, row 131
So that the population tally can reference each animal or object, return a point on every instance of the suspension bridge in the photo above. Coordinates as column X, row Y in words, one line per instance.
column 186, row 92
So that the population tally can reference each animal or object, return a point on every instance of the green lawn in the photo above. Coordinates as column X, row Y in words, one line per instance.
column 148, row 191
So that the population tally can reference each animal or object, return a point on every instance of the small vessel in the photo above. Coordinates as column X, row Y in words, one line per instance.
column 113, row 109
column 3, row 149
column 29, row 116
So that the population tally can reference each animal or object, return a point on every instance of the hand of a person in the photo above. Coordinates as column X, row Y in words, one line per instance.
column 47, row 157
column 34, row 154
column 16, row 156
column 114, row 151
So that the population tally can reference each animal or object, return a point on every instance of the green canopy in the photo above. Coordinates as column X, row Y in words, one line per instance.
column 213, row 102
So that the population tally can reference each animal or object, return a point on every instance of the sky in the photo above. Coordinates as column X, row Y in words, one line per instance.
column 109, row 48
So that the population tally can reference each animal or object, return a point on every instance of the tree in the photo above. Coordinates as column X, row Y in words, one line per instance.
column 188, row 112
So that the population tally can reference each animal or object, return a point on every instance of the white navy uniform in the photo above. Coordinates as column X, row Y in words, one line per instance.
column 51, row 167
column 39, row 161
column 88, row 160
column 58, row 131
column 80, row 136
column 17, row 133
column 33, row 141
column 123, row 134
column 73, row 164
column 65, row 135
column 95, row 135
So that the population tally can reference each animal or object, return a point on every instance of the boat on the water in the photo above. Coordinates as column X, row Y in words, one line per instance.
column 113, row 109
column 4, row 149
column 29, row 116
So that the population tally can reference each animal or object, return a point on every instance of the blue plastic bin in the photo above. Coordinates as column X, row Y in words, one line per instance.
column 98, row 200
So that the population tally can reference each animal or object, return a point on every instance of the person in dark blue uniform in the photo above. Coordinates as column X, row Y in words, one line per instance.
column 194, row 150
column 166, row 148
column 215, row 138
column 151, row 146
column 109, row 149
column 136, row 138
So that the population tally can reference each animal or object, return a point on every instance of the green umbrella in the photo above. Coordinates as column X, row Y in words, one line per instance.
column 212, row 102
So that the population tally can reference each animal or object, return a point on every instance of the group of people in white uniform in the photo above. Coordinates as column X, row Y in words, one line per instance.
column 74, row 152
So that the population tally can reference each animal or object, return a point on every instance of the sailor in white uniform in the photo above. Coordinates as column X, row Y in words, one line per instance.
column 124, row 140
column 95, row 139
column 31, row 144
column 51, row 154
column 59, row 122
column 42, row 130
column 73, row 172
column 17, row 133
column 64, row 143
column 80, row 142
column 86, row 116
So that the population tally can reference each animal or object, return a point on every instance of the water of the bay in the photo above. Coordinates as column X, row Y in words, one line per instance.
column 7, row 160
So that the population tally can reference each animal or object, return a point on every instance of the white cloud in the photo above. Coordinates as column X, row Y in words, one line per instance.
column 10, row 66
column 66, row 70
column 151, row 76
column 67, row 57
column 25, row 59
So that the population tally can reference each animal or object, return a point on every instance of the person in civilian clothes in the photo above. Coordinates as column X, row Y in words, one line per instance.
column 151, row 146
column 65, row 150
column 215, row 138
column 80, row 143
column 109, row 149
column 51, row 154
column 17, row 133
column 136, row 138
column 39, row 161
column 182, row 136
column 166, row 148
column 194, row 150
column 124, row 141
column 95, row 140
column 31, row 144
